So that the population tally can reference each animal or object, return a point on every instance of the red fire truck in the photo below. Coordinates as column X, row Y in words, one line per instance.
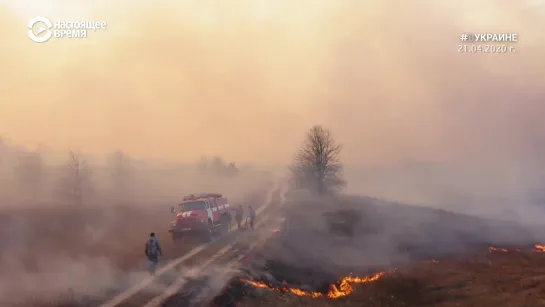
column 203, row 214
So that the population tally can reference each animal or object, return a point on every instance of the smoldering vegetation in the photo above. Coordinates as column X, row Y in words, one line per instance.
column 495, row 191
column 391, row 97
column 73, row 226
column 325, row 239
column 362, row 233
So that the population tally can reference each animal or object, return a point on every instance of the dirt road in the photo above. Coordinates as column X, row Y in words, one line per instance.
column 190, row 271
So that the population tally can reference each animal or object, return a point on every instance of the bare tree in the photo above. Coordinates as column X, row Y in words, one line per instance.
column 317, row 166
column 231, row 169
column 78, row 177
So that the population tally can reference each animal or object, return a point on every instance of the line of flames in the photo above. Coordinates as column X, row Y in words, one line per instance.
column 536, row 248
column 345, row 287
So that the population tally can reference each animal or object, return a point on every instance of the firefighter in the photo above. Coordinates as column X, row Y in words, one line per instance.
column 153, row 251
column 238, row 215
column 252, row 216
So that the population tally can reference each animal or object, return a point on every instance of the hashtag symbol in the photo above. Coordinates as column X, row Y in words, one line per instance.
column 463, row 37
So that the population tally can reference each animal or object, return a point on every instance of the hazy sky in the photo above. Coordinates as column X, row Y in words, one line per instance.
column 246, row 79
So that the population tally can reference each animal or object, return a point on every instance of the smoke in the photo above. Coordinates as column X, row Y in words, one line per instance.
column 215, row 277
column 420, row 122
column 248, row 79
column 323, row 239
column 57, row 248
column 437, row 127
column 55, row 276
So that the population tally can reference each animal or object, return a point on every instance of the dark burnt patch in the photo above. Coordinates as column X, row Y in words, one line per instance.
column 234, row 292
column 312, row 279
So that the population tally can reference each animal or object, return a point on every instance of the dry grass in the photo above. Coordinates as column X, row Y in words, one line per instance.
column 72, row 256
column 480, row 280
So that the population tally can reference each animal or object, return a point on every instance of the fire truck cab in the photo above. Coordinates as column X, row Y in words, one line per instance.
column 203, row 214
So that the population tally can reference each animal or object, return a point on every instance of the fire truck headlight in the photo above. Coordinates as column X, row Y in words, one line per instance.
column 202, row 221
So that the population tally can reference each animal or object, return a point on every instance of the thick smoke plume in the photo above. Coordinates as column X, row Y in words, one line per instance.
column 419, row 121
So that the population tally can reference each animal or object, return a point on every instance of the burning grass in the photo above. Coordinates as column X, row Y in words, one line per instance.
column 535, row 248
column 343, row 288
column 428, row 283
column 539, row 248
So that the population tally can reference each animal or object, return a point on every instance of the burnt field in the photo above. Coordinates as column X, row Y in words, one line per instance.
column 486, row 278
column 335, row 252
column 391, row 255
column 77, row 256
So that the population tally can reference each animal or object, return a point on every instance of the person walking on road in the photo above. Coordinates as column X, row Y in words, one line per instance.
column 238, row 215
column 252, row 216
column 153, row 251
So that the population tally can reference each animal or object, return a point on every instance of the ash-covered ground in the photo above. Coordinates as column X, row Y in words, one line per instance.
column 409, row 247
column 346, row 234
column 486, row 278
